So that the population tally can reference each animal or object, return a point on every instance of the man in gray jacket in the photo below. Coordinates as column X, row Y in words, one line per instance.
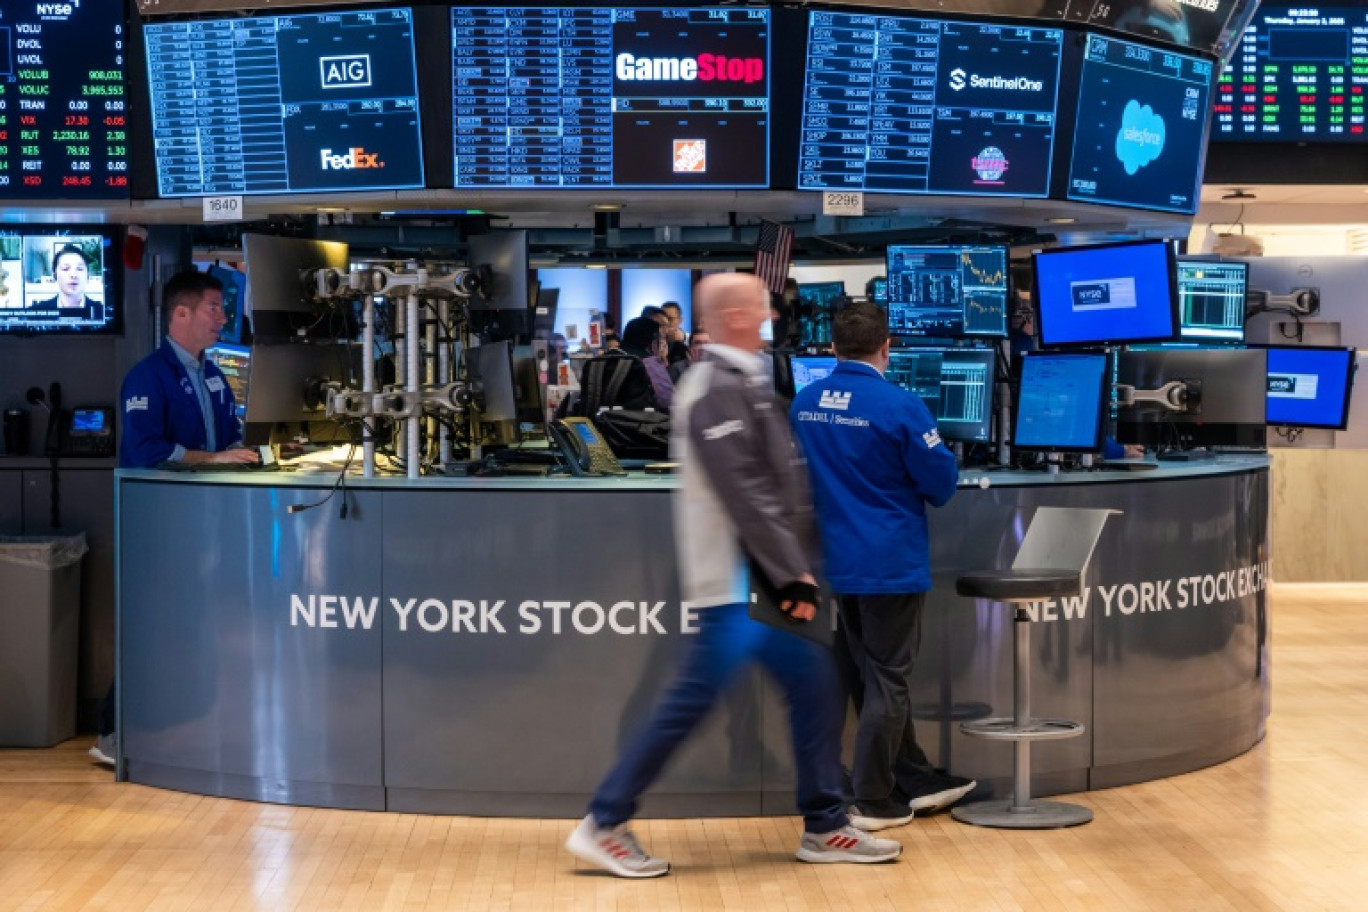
column 741, row 493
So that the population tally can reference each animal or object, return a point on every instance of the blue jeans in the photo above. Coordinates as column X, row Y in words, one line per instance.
column 727, row 639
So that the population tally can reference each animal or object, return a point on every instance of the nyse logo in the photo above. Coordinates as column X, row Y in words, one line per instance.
column 355, row 159
column 834, row 400
column 352, row 71
column 957, row 79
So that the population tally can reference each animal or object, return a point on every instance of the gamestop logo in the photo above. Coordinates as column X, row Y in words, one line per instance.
column 352, row 71
column 704, row 68
column 960, row 80
column 354, row 159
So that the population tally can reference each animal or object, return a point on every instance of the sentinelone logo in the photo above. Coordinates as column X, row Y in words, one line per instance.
column 704, row 68
column 960, row 80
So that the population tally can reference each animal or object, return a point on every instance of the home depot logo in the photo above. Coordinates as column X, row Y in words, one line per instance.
column 355, row 159
column 690, row 156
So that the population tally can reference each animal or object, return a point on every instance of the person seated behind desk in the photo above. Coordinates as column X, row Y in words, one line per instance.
column 642, row 339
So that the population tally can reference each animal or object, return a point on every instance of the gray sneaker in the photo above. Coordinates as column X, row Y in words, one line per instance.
column 847, row 845
column 105, row 750
column 615, row 849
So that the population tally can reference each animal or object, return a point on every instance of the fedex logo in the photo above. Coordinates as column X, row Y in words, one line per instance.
column 351, row 71
column 355, row 159
column 704, row 68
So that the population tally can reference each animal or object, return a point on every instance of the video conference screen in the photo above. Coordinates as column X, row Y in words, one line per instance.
column 63, row 132
column 955, row 383
column 1142, row 120
column 947, row 291
column 611, row 97
column 57, row 283
column 1105, row 294
column 1298, row 75
column 1211, row 301
column 1060, row 402
column 1310, row 387
column 285, row 104
column 909, row 105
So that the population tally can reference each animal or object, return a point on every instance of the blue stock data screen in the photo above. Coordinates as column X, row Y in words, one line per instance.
column 1142, row 119
column 1309, row 387
column 285, row 104
column 1059, row 406
column 610, row 97
column 1300, row 74
column 908, row 105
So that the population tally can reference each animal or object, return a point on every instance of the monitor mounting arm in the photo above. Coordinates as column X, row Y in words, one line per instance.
column 1301, row 302
column 1175, row 396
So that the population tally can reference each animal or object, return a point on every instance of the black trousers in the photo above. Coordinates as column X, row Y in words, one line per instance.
column 877, row 642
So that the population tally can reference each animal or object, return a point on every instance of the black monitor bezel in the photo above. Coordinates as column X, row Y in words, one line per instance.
column 1103, row 399
column 1175, row 316
column 1205, row 340
column 1351, row 370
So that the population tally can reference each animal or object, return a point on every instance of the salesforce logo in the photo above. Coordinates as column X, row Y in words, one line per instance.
column 960, row 79
column 1141, row 137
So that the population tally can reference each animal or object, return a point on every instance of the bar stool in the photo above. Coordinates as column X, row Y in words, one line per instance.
column 1050, row 564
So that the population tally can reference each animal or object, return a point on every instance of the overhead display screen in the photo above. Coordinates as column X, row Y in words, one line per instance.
column 908, row 105
column 610, row 97
column 1142, row 119
column 1299, row 75
column 285, row 104
column 62, row 128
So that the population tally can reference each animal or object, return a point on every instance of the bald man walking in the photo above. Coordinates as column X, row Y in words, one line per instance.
column 741, row 493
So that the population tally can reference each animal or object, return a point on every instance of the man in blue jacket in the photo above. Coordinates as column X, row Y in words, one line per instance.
column 177, row 406
column 876, row 461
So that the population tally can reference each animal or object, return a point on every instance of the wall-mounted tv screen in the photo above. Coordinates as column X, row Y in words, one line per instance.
column 1107, row 294
column 947, row 291
column 285, row 104
column 1060, row 403
column 1297, row 76
column 63, row 133
column 1309, row 386
column 1211, row 300
column 955, row 383
column 910, row 105
column 611, row 96
column 59, row 282
column 1140, row 138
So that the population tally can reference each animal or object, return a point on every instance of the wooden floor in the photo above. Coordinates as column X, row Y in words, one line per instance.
column 1284, row 827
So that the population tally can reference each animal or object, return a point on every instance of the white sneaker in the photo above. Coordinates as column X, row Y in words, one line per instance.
column 615, row 849
column 847, row 844
column 872, row 821
column 104, row 750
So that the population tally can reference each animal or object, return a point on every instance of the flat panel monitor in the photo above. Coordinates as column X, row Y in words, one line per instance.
column 1226, row 398
column 1061, row 401
column 285, row 104
column 1140, row 137
column 808, row 369
column 63, row 114
column 491, row 366
column 280, row 373
column 1107, row 294
column 279, row 292
column 596, row 97
column 234, row 295
column 905, row 104
column 1310, row 386
column 1297, row 76
column 817, row 303
column 955, row 383
column 502, row 258
column 236, row 363
column 877, row 290
column 59, row 282
column 1211, row 301
column 947, row 291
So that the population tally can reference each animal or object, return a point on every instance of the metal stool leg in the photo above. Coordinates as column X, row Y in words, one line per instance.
column 1020, row 812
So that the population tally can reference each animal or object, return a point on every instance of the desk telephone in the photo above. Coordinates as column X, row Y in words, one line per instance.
column 80, row 432
column 583, row 449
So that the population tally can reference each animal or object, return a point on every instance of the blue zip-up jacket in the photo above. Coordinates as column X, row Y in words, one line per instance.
column 876, row 460
column 161, row 410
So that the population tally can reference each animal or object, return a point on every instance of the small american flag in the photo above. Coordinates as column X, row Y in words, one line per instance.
column 773, row 249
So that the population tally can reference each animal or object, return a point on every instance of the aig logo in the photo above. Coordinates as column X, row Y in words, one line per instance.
column 352, row 71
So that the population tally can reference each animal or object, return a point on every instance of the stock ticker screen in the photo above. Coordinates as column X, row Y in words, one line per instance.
column 908, row 105
column 63, row 132
column 1142, row 119
column 285, row 104
column 1298, row 75
column 611, row 97
column 947, row 291
column 955, row 383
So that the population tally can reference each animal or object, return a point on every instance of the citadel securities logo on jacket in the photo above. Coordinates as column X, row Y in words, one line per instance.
column 874, row 535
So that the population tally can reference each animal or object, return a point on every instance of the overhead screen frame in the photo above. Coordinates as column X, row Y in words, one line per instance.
column 1102, row 340
column 1351, row 370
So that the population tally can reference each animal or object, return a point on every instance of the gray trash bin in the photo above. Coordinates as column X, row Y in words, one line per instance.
column 40, row 614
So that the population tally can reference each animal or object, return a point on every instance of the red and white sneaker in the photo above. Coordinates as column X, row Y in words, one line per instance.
column 615, row 849
column 847, row 845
